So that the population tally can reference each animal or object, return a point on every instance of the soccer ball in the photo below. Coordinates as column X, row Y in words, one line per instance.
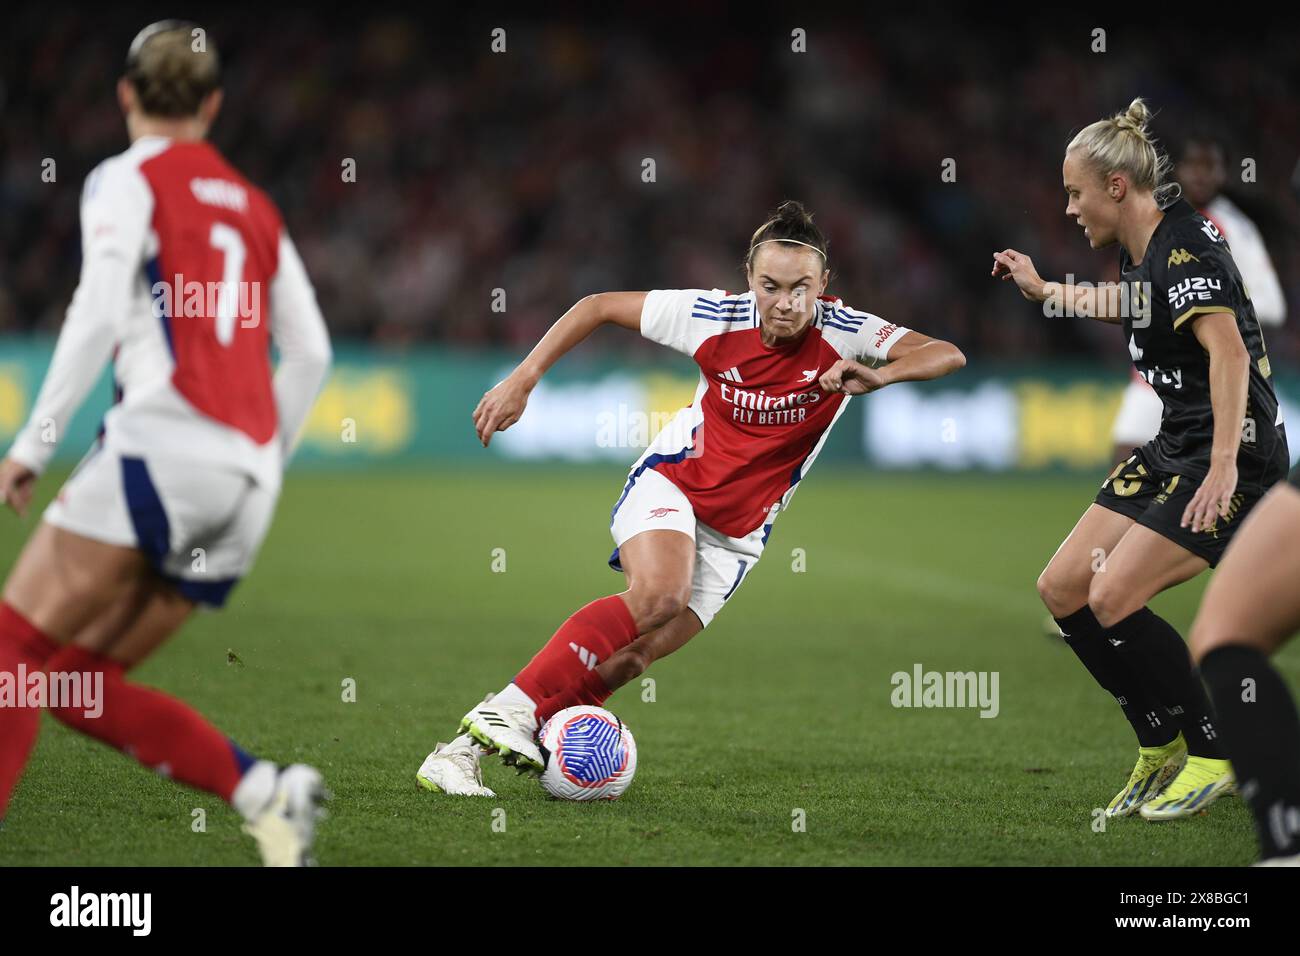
column 590, row 755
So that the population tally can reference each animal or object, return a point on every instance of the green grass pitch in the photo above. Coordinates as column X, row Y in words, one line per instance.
column 782, row 705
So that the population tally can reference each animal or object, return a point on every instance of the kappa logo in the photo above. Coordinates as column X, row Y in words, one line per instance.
column 808, row 374
column 732, row 375
column 1180, row 257
column 660, row 512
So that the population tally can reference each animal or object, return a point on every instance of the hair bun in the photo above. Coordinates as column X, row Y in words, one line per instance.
column 793, row 211
column 1134, row 118
column 1123, row 143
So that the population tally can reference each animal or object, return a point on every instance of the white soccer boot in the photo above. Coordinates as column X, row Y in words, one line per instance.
column 285, row 825
column 453, row 769
column 508, row 728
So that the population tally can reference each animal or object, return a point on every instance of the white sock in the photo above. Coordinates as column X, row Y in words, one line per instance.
column 514, row 697
column 255, row 789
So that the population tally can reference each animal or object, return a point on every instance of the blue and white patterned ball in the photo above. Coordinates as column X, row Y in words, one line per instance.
column 590, row 754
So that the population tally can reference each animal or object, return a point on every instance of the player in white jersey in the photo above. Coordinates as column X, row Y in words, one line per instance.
column 1202, row 172
column 187, row 278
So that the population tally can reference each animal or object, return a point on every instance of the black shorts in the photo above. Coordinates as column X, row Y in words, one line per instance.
column 1157, row 499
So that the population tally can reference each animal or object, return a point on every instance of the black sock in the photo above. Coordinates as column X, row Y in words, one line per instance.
column 1261, row 731
column 1155, row 650
column 1086, row 638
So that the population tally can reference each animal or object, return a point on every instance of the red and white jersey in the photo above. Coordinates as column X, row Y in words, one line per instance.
column 187, row 278
column 759, row 418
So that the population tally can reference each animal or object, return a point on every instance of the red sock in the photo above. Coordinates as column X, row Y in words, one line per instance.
column 20, row 643
column 156, row 729
column 592, row 691
column 589, row 636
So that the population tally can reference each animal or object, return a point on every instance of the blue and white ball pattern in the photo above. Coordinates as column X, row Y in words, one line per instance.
column 590, row 754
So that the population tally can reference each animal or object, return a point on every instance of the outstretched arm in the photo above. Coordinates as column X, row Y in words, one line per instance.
column 503, row 404
column 1101, row 301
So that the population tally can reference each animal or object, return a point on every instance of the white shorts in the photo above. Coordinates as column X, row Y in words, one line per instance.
column 1139, row 415
column 650, row 502
column 200, row 526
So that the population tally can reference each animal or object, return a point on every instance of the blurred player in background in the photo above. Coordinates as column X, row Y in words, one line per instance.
column 1202, row 172
column 187, row 278
column 1169, row 510
column 1251, row 608
column 777, row 365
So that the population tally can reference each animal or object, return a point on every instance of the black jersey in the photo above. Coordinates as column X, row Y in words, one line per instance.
column 1187, row 272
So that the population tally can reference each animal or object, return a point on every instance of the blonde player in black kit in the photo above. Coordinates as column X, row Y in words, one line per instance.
column 1168, row 512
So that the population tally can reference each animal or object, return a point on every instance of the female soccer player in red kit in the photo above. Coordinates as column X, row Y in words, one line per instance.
column 170, row 506
column 777, row 365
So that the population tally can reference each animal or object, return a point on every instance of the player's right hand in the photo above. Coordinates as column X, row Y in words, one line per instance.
column 847, row 377
column 1009, row 264
column 17, row 482
column 499, row 408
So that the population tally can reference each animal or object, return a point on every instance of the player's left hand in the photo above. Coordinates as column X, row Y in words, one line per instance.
column 851, row 378
column 16, row 485
column 1213, row 499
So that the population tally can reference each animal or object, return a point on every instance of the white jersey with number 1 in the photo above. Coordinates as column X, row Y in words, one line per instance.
column 187, row 277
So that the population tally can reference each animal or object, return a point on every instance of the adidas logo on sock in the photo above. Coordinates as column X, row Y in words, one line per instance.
column 588, row 659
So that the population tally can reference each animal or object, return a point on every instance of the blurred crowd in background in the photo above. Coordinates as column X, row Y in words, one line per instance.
column 523, row 170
